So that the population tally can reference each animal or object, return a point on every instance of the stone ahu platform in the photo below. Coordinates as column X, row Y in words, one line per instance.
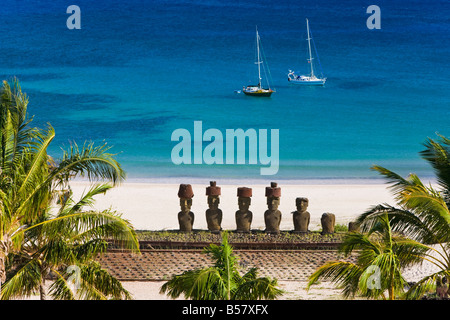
column 286, row 256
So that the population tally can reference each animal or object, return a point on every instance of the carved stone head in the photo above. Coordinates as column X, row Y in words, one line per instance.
column 213, row 202
column 244, row 203
column 185, row 204
column 244, row 198
column 302, row 204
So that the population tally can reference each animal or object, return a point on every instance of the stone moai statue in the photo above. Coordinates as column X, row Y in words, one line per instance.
column 213, row 214
column 185, row 216
column 244, row 216
column 272, row 216
column 301, row 217
column 353, row 227
column 328, row 221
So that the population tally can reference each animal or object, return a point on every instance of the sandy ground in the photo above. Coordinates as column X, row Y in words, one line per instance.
column 155, row 206
column 294, row 290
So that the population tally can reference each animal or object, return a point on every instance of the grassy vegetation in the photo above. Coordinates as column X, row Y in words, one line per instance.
column 341, row 228
column 254, row 236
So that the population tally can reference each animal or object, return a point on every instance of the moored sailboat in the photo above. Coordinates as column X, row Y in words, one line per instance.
column 258, row 90
column 312, row 78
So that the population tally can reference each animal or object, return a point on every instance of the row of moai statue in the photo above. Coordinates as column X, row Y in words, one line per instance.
column 272, row 216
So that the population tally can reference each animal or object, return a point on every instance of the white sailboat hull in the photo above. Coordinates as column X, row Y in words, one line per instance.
column 311, row 79
column 308, row 81
column 305, row 80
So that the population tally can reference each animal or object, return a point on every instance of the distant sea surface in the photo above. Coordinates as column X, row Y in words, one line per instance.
column 138, row 70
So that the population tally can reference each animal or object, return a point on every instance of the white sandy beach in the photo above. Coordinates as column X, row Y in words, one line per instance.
column 154, row 206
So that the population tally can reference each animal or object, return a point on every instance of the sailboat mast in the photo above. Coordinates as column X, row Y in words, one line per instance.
column 259, row 63
column 309, row 46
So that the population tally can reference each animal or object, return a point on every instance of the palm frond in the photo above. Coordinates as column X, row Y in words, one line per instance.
column 344, row 274
column 200, row 284
column 253, row 287
column 401, row 220
column 408, row 251
column 23, row 282
column 91, row 224
column 93, row 283
column 356, row 241
column 430, row 207
column 61, row 288
column 437, row 153
column 87, row 199
column 28, row 180
column 221, row 281
column 397, row 182
column 97, row 283
column 424, row 285
column 39, row 161
column 93, row 162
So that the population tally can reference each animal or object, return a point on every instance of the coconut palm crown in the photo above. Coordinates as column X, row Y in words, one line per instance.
column 422, row 212
column 30, row 181
column 222, row 281
column 380, row 255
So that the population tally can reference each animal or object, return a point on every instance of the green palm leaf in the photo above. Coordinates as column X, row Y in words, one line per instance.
column 221, row 281
column 23, row 282
column 29, row 178
column 39, row 160
column 91, row 161
column 437, row 153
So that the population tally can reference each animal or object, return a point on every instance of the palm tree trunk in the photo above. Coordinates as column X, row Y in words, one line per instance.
column 391, row 287
column 5, row 244
column 2, row 267
column 228, row 278
column 2, row 273
column 42, row 291
column 391, row 293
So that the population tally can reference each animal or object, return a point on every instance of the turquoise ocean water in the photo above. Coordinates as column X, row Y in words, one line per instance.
column 138, row 70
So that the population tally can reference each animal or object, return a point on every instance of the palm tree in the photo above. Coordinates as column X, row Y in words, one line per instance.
column 222, row 281
column 422, row 212
column 46, row 250
column 381, row 255
column 20, row 148
column 29, row 178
